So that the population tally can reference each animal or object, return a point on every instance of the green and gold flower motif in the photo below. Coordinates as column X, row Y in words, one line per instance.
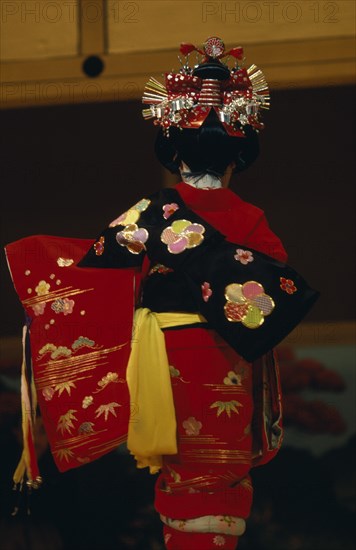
column 132, row 215
column 182, row 235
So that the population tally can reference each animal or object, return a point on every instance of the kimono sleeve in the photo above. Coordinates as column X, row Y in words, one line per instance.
column 79, row 326
column 123, row 243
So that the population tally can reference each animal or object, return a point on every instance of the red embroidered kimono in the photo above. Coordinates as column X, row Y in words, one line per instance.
column 80, row 321
column 220, row 439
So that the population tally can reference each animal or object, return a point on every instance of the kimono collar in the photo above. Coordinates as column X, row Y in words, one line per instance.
column 202, row 181
column 216, row 199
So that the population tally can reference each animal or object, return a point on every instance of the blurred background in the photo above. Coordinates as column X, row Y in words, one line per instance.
column 76, row 152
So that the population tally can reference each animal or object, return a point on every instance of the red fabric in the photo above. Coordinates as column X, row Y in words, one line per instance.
column 203, row 479
column 178, row 540
column 79, row 350
column 201, row 356
column 209, row 476
column 240, row 221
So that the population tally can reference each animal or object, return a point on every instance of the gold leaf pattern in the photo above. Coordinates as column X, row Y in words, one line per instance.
column 64, row 386
column 56, row 371
column 226, row 406
column 64, row 454
column 106, row 409
column 55, row 294
column 65, row 423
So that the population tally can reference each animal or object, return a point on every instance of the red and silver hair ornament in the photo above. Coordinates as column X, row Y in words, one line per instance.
column 236, row 94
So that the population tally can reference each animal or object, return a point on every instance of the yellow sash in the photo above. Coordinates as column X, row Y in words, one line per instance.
column 152, row 426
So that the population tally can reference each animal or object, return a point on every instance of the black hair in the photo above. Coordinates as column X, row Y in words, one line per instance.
column 207, row 150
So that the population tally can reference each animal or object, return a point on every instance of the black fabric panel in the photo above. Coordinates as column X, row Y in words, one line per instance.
column 212, row 261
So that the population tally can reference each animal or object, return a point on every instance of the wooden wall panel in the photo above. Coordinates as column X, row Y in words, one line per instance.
column 38, row 30
column 162, row 24
column 296, row 43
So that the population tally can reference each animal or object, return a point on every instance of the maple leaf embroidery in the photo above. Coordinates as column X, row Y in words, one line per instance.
column 64, row 386
column 226, row 406
column 106, row 409
column 64, row 454
column 65, row 423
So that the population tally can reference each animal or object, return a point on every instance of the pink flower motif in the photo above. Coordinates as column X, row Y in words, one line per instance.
column 243, row 256
column 192, row 426
column 133, row 237
column 182, row 234
column 38, row 309
column 68, row 306
column 206, row 291
column 48, row 393
column 169, row 209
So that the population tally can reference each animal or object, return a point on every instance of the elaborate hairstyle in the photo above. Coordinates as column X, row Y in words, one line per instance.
column 209, row 114
column 207, row 150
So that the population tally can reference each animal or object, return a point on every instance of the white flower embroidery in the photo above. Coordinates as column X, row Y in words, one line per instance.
column 243, row 256
column 219, row 540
